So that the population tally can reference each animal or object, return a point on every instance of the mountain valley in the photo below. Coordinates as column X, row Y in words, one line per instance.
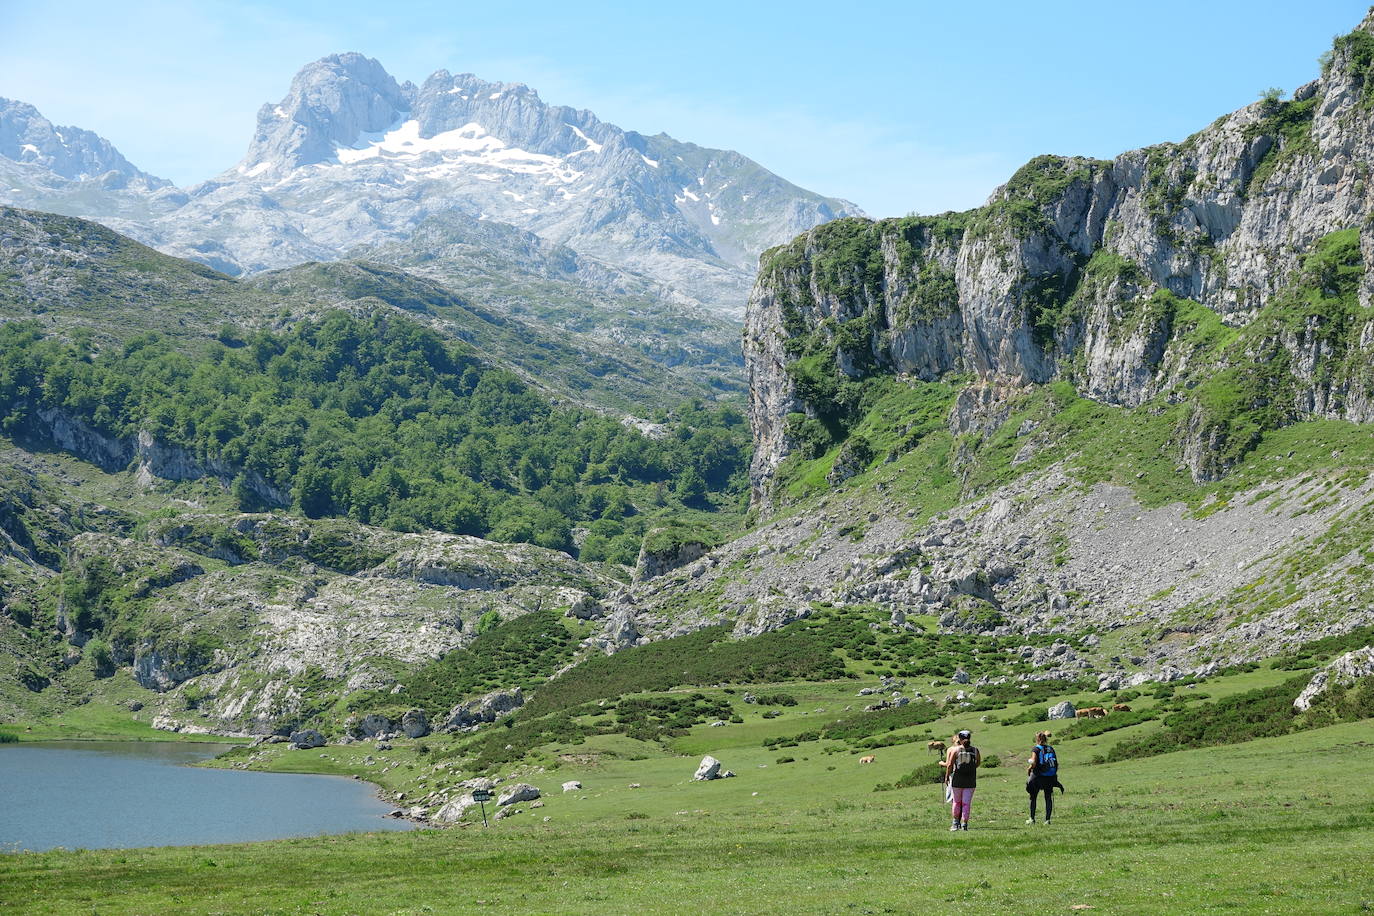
column 421, row 447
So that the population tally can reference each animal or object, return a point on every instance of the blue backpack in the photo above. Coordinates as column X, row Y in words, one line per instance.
column 1047, row 764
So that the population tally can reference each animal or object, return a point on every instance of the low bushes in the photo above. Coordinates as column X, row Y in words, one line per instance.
column 924, row 775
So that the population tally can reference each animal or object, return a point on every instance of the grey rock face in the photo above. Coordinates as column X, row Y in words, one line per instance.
column 70, row 152
column 414, row 723
column 1344, row 671
column 331, row 103
column 618, row 632
column 513, row 795
column 586, row 608
column 482, row 710
column 1064, row 710
column 452, row 812
column 372, row 726
column 653, row 563
column 307, row 738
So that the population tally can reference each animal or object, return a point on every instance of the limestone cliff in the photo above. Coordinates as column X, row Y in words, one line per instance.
column 1229, row 272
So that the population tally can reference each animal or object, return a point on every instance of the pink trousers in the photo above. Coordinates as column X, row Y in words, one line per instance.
column 963, row 803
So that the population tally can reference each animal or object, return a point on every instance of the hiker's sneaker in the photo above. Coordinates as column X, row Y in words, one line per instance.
column 964, row 825
column 1047, row 822
column 954, row 826
column 1031, row 820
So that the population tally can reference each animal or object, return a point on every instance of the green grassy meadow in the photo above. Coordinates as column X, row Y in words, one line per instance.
column 1274, row 825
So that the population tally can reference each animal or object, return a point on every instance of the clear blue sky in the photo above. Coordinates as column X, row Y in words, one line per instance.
column 898, row 106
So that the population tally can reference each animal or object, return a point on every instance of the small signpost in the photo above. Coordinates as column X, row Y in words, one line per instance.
column 482, row 796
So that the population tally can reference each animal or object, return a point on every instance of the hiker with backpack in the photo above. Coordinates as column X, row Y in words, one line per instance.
column 1042, row 772
column 961, row 776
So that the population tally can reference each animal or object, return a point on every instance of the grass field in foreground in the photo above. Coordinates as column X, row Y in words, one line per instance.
column 1282, row 825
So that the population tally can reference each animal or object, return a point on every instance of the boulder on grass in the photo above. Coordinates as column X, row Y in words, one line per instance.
column 306, row 738
column 709, row 768
column 520, row 792
column 1064, row 710
column 453, row 811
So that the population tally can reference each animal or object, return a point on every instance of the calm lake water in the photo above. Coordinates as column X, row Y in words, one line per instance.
column 101, row 794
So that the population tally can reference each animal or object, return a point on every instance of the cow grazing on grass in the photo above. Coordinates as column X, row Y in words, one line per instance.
column 868, row 759
column 1091, row 712
column 937, row 747
column 1120, row 707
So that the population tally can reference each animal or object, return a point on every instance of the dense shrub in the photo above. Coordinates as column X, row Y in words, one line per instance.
column 1254, row 714
column 924, row 775
column 517, row 653
column 705, row 657
column 652, row 718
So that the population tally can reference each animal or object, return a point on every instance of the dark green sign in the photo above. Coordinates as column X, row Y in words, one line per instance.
column 481, row 795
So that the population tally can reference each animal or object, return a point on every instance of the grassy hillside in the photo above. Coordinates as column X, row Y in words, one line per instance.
column 79, row 279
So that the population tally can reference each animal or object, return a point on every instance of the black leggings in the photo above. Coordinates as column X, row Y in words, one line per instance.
column 1035, row 788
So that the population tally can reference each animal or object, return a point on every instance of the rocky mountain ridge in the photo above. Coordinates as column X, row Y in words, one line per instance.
column 28, row 138
column 350, row 158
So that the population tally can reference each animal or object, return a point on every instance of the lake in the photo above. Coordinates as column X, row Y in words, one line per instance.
column 103, row 794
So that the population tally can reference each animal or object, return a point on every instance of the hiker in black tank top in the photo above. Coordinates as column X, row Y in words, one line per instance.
column 961, row 774
column 1042, row 775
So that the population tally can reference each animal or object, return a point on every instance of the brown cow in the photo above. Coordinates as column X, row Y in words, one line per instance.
column 1120, row 707
column 869, row 759
column 1090, row 712
column 937, row 746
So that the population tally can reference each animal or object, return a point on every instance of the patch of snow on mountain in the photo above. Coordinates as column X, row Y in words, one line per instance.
column 592, row 145
column 458, row 150
column 652, row 163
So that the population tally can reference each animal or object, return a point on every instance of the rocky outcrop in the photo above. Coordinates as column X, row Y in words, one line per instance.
column 514, row 795
column 1064, row 710
column 156, row 460
column 666, row 549
column 451, row 812
column 1103, row 273
column 1344, row 671
column 414, row 723
column 307, row 738
column 485, row 709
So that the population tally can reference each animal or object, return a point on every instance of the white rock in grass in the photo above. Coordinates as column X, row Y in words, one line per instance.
column 1344, row 671
column 708, row 769
column 520, row 792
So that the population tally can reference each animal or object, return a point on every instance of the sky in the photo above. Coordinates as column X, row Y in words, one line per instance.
column 901, row 107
